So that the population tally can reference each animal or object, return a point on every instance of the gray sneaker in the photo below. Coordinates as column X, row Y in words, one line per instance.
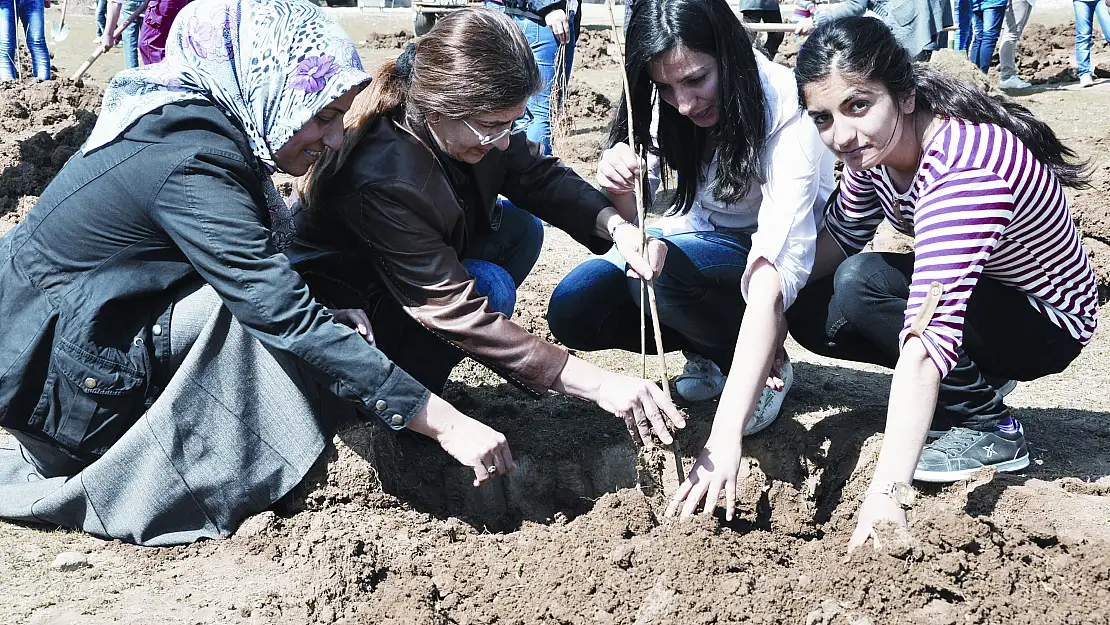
column 961, row 452
column 701, row 378
column 770, row 403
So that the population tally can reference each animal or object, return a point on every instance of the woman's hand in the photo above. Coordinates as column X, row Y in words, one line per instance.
column 617, row 169
column 559, row 23
column 642, row 406
column 716, row 470
column 471, row 442
column 479, row 447
column 108, row 40
column 804, row 26
column 355, row 318
column 645, row 262
column 875, row 508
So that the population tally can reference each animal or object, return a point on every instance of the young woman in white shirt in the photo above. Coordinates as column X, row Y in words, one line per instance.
column 752, row 180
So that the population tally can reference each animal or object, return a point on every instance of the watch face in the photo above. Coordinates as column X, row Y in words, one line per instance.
column 903, row 493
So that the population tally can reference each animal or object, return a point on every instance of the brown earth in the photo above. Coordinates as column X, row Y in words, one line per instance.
column 386, row 529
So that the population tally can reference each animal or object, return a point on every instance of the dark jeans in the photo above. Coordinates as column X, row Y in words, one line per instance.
column 498, row 261
column 858, row 313
column 596, row 306
column 987, row 25
column 774, row 40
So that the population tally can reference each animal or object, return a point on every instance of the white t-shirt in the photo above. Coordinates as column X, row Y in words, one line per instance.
column 786, row 211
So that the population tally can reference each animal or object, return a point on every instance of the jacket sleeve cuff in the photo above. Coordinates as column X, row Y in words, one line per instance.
column 545, row 9
column 398, row 399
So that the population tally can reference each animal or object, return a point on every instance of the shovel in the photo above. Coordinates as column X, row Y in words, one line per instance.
column 100, row 49
column 58, row 30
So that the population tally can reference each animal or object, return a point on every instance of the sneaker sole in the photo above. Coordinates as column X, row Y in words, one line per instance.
column 948, row 477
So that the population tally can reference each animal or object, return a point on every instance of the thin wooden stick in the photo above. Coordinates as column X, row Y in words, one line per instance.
column 645, row 284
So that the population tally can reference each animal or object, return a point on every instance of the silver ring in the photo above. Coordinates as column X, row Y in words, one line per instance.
column 491, row 469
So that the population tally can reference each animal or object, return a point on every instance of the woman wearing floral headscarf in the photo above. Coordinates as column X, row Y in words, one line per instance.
column 161, row 363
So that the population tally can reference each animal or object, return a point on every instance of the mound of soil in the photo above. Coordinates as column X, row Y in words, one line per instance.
column 586, row 112
column 386, row 41
column 1046, row 54
column 42, row 123
column 591, row 51
column 392, row 546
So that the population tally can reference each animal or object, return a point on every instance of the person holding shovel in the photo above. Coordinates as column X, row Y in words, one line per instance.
column 163, row 368
column 404, row 220
column 129, row 37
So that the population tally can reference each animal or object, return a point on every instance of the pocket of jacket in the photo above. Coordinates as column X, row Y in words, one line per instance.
column 92, row 399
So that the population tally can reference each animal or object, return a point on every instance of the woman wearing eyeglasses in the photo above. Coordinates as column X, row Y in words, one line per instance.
column 404, row 221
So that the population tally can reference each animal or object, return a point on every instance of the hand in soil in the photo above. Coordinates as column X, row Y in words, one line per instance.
column 471, row 442
column 356, row 319
column 715, row 471
column 875, row 508
column 642, row 406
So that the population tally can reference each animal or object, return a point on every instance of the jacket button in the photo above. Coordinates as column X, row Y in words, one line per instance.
column 90, row 382
column 156, row 330
column 397, row 420
column 380, row 405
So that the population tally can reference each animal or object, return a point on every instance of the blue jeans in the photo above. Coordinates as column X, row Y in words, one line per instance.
column 544, row 49
column 596, row 306
column 30, row 12
column 498, row 261
column 1085, row 14
column 963, row 23
column 130, row 37
column 987, row 25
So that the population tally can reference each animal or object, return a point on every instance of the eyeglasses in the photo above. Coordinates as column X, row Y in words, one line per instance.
column 518, row 126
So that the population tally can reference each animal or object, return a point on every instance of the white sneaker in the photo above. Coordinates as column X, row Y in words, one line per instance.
column 1013, row 82
column 701, row 378
column 1086, row 80
column 770, row 403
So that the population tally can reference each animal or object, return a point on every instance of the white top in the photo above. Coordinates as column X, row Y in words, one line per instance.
column 784, row 212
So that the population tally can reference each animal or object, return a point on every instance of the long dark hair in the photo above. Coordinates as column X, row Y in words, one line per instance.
column 473, row 61
column 864, row 48
column 709, row 27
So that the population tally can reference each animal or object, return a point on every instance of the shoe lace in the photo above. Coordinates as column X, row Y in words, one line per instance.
column 955, row 440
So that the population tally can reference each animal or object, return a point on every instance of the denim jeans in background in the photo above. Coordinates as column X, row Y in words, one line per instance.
column 858, row 313
column 499, row 262
column 963, row 23
column 545, row 48
column 30, row 14
column 101, row 16
column 596, row 306
column 987, row 25
column 1085, row 15
column 130, row 37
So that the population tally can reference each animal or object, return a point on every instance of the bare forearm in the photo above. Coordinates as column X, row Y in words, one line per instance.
column 579, row 379
column 913, row 399
column 760, row 336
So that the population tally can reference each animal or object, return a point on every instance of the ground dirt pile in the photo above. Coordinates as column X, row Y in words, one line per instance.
column 42, row 124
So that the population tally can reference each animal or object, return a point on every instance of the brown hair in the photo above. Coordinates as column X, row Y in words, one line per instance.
column 473, row 61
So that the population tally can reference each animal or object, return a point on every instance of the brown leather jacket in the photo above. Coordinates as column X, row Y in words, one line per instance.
column 392, row 206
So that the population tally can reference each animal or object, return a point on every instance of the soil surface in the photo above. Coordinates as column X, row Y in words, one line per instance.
column 387, row 529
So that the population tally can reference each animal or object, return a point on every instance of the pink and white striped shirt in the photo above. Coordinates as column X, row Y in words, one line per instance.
column 980, row 204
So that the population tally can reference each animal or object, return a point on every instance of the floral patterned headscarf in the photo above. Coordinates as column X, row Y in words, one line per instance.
column 270, row 65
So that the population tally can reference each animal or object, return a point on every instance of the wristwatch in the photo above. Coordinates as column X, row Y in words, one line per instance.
column 902, row 493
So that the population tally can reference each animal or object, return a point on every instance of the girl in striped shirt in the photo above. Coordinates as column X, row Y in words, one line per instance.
column 998, row 287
